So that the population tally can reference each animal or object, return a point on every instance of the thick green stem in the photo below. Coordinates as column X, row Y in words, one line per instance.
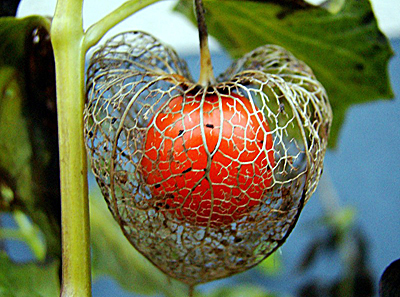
column 67, row 37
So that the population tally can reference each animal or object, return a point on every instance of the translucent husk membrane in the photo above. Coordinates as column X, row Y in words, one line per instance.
column 205, row 182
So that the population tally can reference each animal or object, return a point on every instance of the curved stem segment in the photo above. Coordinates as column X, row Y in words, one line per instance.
column 95, row 32
column 206, row 70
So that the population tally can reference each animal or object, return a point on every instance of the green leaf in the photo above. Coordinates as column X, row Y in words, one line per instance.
column 114, row 256
column 346, row 50
column 28, row 280
column 26, row 232
column 342, row 220
column 14, row 136
column 272, row 265
column 29, row 165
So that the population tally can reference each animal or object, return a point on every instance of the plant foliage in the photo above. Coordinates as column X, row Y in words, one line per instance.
column 344, row 47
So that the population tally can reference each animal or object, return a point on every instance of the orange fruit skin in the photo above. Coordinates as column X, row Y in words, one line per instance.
column 211, row 171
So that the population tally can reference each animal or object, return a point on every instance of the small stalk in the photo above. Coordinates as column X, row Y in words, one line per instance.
column 206, row 70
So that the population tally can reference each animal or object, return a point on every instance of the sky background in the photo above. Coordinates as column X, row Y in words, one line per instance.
column 174, row 29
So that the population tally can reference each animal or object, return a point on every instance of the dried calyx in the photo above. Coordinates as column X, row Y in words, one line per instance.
column 205, row 179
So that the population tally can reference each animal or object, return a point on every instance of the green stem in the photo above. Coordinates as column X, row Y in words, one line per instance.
column 67, row 36
column 99, row 29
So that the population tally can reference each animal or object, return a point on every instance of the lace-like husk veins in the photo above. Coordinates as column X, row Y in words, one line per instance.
column 161, row 151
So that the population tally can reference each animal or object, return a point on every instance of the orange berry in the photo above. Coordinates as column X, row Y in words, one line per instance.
column 203, row 166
